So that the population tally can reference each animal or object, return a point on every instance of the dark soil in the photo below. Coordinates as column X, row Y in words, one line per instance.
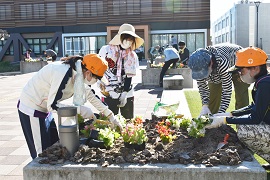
column 182, row 150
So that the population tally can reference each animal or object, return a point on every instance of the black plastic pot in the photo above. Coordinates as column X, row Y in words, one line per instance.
column 96, row 143
column 138, row 147
column 94, row 134
column 83, row 140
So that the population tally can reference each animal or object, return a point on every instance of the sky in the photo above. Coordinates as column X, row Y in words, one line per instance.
column 220, row 7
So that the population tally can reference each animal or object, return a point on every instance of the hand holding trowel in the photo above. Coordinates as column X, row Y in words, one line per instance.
column 225, row 141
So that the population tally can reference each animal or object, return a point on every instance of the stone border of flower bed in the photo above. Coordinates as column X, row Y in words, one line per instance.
column 150, row 76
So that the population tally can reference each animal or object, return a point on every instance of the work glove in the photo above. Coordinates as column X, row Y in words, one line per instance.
column 217, row 121
column 205, row 110
column 227, row 114
column 115, row 122
column 86, row 112
column 123, row 99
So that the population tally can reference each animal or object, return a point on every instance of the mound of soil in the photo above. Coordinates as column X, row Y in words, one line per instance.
column 183, row 150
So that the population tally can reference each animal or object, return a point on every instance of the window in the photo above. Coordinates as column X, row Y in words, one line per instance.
column 83, row 9
column 38, row 11
column 193, row 40
column 10, row 50
column 26, row 11
column 176, row 6
column 5, row 12
column 96, row 8
column 39, row 45
column 70, row 9
column 133, row 7
column 223, row 23
column 126, row 7
column 223, row 38
column 83, row 45
column 227, row 21
column 219, row 26
column 51, row 10
column 227, row 37
column 146, row 7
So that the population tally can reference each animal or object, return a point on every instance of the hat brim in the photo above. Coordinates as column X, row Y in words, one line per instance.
column 233, row 69
column 116, row 40
column 197, row 75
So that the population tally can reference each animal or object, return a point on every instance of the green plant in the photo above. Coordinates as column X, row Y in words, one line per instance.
column 197, row 126
column 173, row 121
column 80, row 119
column 86, row 130
column 6, row 66
column 185, row 123
column 108, row 136
column 134, row 132
column 165, row 133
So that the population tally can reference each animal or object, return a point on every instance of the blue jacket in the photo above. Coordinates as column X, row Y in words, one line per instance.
column 259, row 110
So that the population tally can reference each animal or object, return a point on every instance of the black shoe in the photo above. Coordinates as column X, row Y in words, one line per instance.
column 266, row 166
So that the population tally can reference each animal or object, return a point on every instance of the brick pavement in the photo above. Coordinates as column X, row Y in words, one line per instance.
column 14, row 154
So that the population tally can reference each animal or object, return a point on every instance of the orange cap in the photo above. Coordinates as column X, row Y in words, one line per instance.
column 96, row 64
column 251, row 56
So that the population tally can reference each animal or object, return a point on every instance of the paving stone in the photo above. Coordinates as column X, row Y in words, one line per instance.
column 14, row 160
column 6, row 137
column 5, row 151
column 14, row 143
column 6, row 169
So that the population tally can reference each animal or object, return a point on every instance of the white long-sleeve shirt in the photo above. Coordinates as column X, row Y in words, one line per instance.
column 52, row 84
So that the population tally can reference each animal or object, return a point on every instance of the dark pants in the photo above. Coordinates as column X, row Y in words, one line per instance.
column 48, row 135
column 241, row 94
column 127, row 111
column 175, row 46
column 140, row 55
column 165, row 68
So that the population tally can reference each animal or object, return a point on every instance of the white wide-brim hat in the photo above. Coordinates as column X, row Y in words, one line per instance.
column 127, row 29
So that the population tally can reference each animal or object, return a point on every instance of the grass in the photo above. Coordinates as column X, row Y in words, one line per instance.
column 6, row 66
column 195, row 105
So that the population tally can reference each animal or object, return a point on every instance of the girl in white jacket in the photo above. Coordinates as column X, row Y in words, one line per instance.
column 56, row 82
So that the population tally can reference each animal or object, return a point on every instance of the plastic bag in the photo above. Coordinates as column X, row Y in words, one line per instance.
column 163, row 110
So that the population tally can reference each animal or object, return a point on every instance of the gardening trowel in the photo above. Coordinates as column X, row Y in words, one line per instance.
column 221, row 144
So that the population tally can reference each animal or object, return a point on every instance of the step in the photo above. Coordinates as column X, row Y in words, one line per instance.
column 162, row 171
column 173, row 81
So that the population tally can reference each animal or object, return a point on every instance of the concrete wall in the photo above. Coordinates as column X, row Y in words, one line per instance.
column 244, row 171
column 27, row 67
column 150, row 76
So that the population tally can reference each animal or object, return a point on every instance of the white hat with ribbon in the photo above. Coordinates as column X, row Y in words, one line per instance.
column 127, row 29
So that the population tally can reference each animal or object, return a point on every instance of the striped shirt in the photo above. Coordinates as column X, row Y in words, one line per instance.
column 225, row 58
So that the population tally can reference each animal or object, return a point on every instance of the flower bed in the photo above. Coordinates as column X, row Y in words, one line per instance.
column 31, row 66
column 150, row 76
column 179, row 146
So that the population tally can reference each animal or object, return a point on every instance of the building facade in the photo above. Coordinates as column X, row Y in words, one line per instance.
column 79, row 27
column 239, row 25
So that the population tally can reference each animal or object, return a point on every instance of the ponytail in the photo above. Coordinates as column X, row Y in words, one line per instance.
column 72, row 60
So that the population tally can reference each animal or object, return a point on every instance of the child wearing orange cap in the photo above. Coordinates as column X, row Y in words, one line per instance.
column 52, row 84
column 253, row 121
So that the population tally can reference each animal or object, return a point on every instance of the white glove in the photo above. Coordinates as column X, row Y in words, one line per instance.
column 227, row 114
column 115, row 122
column 205, row 110
column 86, row 112
column 217, row 122
column 123, row 99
